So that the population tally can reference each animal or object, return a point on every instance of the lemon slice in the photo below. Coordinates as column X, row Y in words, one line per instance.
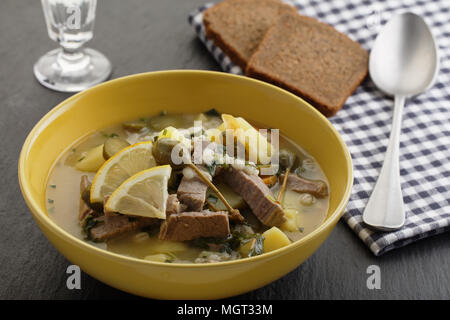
column 250, row 138
column 120, row 167
column 144, row 194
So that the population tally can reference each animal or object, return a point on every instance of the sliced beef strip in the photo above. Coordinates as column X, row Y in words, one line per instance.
column 84, row 210
column 192, row 193
column 113, row 224
column 192, row 225
column 107, row 227
column 257, row 195
column 173, row 205
column 316, row 188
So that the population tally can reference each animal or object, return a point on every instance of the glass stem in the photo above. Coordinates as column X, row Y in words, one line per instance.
column 73, row 59
column 72, row 54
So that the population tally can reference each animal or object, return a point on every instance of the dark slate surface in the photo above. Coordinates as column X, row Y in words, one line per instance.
column 138, row 36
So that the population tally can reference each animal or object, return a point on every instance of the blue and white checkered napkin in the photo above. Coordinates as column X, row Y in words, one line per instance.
column 365, row 120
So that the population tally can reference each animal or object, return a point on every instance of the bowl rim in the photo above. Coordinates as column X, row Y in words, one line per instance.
column 61, row 107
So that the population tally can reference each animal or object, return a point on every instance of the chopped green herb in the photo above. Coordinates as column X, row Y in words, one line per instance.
column 258, row 248
column 229, row 244
column 74, row 149
column 81, row 159
column 110, row 135
column 204, row 243
column 301, row 229
column 53, row 186
column 89, row 223
column 212, row 168
column 164, row 132
column 171, row 258
column 51, row 201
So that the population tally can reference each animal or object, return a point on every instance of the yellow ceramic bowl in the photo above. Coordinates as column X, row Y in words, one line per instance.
column 182, row 92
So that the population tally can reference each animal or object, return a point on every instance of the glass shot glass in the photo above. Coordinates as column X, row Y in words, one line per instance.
column 71, row 67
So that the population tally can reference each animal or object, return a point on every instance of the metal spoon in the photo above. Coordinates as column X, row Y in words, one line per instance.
column 403, row 62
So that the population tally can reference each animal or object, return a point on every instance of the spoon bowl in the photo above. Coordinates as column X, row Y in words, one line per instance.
column 404, row 59
column 403, row 62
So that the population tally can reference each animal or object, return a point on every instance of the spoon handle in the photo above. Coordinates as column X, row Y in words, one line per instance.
column 385, row 209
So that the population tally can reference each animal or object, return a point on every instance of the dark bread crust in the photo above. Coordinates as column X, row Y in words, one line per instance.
column 238, row 26
column 312, row 60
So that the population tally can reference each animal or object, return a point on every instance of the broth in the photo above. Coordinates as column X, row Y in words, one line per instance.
column 64, row 184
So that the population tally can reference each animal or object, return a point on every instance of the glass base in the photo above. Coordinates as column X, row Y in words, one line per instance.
column 72, row 72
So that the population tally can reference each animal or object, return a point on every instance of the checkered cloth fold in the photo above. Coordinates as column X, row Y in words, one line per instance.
column 365, row 120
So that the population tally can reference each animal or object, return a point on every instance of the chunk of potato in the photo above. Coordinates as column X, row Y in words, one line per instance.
column 92, row 160
column 244, row 250
column 134, row 126
column 167, row 246
column 159, row 257
column 261, row 151
column 221, row 127
column 232, row 197
column 274, row 239
column 291, row 223
column 114, row 145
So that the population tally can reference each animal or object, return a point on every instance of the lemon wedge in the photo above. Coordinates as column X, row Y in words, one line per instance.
column 143, row 194
column 120, row 167
column 250, row 138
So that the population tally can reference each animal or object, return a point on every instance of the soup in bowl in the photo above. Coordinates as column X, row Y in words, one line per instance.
column 185, row 184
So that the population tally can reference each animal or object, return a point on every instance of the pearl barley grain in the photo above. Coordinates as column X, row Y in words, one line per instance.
column 306, row 199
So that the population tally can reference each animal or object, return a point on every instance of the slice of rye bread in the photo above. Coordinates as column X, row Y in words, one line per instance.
column 312, row 60
column 238, row 26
